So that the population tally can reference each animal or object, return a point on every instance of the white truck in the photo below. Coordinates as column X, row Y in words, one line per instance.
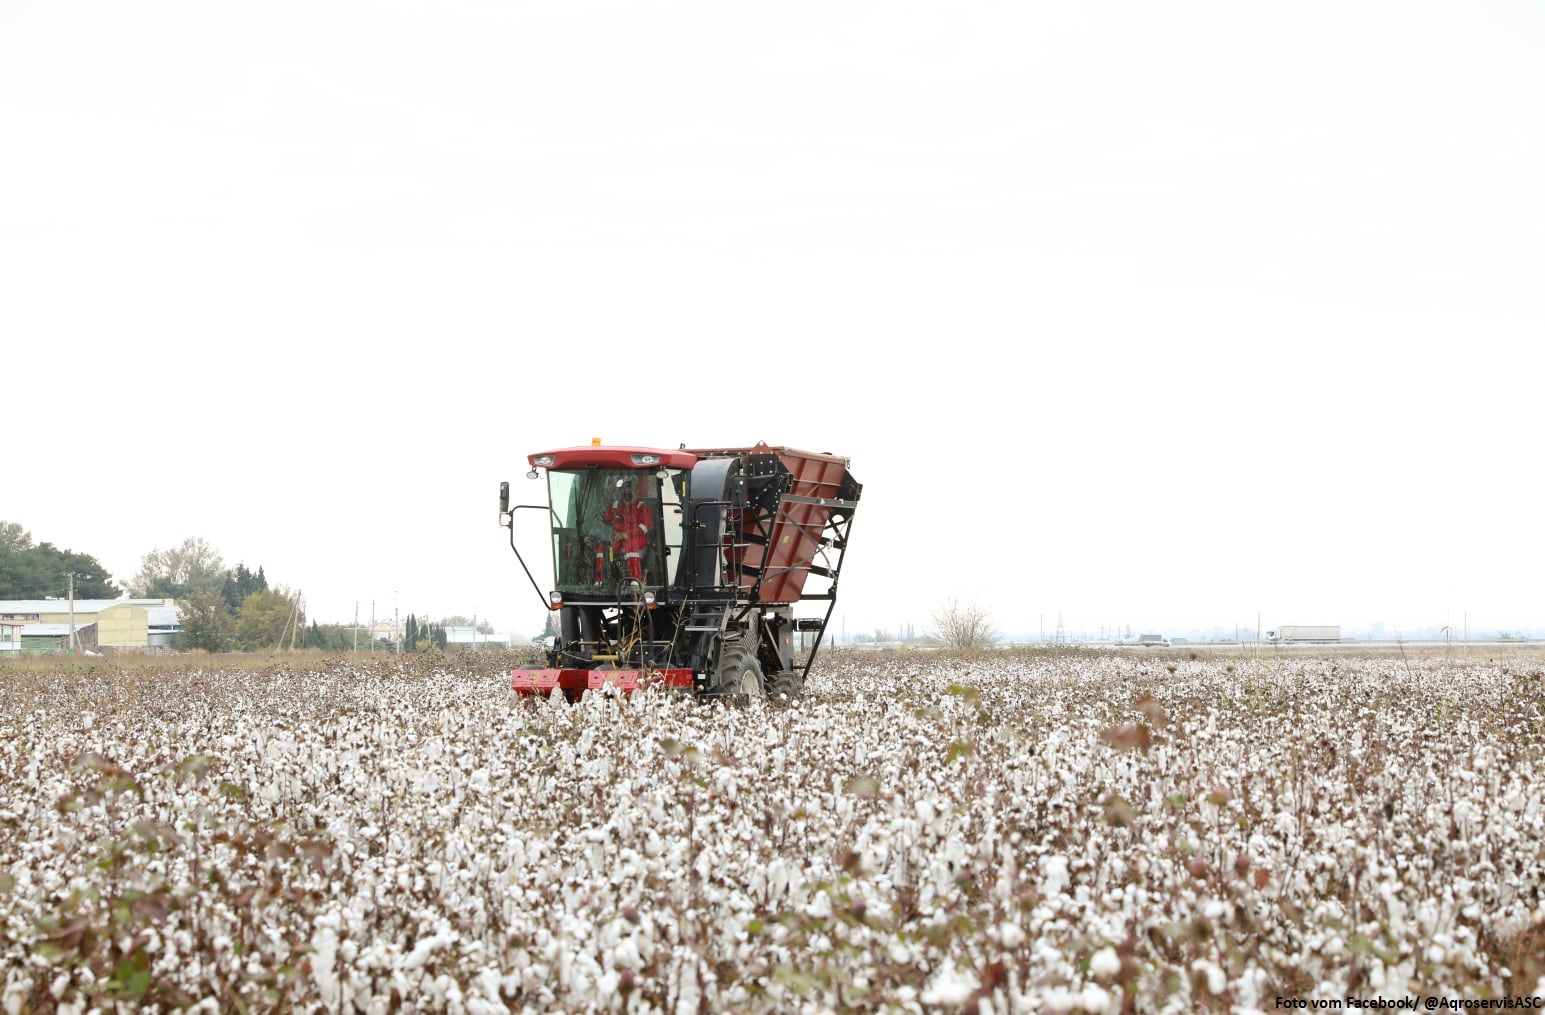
column 1305, row 634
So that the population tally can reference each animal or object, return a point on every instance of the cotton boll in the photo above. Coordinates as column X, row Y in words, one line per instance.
column 950, row 987
column 1214, row 977
column 1104, row 963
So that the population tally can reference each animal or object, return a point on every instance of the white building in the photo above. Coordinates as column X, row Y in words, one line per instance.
column 467, row 636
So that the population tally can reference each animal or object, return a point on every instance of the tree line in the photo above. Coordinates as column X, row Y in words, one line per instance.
column 30, row 570
column 221, row 608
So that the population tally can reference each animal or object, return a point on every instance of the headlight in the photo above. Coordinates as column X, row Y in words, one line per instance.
column 556, row 598
column 542, row 460
column 646, row 459
column 648, row 598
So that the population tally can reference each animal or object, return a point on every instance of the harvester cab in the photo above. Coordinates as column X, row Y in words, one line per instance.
column 683, row 567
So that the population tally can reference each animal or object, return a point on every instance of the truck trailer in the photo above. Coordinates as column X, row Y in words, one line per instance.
column 1305, row 634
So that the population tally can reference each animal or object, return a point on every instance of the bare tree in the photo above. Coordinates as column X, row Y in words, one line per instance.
column 960, row 627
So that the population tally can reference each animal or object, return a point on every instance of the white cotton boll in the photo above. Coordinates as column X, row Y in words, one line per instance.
column 1217, row 980
column 900, row 954
column 481, row 1006
column 950, row 987
column 1094, row 998
column 626, row 955
column 688, row 994
column 324, row 958
column 1435, row 953
column 423, row 950
column 1104, row 963
column 1054, row 872
column 1010, row 934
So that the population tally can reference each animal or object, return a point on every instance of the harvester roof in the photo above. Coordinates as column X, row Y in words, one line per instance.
column 621, row 457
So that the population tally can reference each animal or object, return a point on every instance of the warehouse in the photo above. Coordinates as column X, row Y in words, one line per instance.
column 51, row 639
column 120, row 624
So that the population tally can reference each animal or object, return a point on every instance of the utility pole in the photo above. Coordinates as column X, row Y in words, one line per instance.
column 372, row 625
column 396, row 623
column 288, row 630
column 69, row 580
column 356, row 625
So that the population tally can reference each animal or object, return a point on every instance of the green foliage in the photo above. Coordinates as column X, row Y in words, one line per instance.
column 206, row 623
column 241, row 583
column 334, row 637
column 421, row 636
column 101, row 936
column 29, row 571
column 267, row 620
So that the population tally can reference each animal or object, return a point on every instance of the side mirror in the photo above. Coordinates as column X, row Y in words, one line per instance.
column 504, row 498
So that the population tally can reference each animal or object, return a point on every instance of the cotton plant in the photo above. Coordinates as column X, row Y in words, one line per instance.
column 1056, row 832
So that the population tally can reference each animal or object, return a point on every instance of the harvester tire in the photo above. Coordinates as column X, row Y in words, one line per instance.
column 739, row 677
column 785, row 685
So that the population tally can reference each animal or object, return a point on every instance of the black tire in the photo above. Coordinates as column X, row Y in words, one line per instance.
column 739, row 676
column 785, row 685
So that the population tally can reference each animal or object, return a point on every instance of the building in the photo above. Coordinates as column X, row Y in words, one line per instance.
column 51, row 639
column 10, row 636
column 383, row 630
column 123, row 624
column 467, row 636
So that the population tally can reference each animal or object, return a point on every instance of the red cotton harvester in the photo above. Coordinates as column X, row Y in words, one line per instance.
column 684, row 566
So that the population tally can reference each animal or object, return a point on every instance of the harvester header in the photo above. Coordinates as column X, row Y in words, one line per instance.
column 685, row 565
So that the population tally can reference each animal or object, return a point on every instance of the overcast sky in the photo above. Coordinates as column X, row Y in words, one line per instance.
column 1153, row 314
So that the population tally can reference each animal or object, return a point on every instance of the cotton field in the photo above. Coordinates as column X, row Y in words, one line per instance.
column 1054, row 833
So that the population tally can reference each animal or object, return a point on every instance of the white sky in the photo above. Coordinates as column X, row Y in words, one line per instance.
column 1155, row 314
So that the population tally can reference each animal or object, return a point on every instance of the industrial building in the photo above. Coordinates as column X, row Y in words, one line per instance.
column 116, row 624
column 468, row 637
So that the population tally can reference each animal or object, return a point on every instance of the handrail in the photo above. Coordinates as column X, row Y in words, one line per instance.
column 522, row 507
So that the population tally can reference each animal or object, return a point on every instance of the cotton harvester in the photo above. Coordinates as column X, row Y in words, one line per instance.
column 683, row 567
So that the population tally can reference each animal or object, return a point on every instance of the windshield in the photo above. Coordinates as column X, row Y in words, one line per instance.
column 611, row 527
